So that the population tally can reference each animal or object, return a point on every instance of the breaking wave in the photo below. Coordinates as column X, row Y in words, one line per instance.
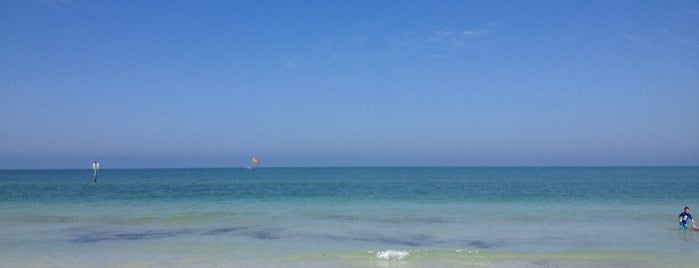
column 392, row 255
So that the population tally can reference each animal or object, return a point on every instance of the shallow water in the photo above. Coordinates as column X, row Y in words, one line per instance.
column 348, row 217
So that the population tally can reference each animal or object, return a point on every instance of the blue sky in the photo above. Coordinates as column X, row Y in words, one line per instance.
column 359, row 83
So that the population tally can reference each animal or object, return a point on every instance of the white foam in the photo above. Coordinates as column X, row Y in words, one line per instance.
column 392, row 255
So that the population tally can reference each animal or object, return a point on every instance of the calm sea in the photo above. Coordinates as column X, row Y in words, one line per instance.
column 348, row 217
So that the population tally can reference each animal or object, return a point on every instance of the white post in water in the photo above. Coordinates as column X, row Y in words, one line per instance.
column 95, row 167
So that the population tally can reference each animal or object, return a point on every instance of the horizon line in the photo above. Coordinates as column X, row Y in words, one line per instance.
column 388, row 166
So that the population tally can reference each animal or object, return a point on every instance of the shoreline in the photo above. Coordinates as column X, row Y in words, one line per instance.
column 221, row 255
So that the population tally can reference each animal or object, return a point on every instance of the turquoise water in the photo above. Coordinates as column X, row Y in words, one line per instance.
column 348, row 217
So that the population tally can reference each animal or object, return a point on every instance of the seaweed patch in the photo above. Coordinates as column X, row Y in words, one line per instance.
column 116, row 236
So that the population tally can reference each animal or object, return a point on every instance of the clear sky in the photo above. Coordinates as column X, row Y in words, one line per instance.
column 354, row 83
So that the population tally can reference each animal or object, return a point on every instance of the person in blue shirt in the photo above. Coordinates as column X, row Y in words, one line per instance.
column 684, row 216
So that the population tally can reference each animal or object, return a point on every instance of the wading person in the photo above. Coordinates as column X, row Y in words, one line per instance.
column 684, row 216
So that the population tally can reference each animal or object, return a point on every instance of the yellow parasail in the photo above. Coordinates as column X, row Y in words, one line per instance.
column 255, row 161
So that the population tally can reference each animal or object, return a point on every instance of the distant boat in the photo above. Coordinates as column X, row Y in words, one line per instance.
column 255, row 161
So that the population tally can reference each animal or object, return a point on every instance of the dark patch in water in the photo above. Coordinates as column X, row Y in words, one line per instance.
column 97, row 236
column 403, row 242
column 262, row 234
column 479, row 244
column 412, row 241
column 259, row 234
column 221, row 231
column 116, row 236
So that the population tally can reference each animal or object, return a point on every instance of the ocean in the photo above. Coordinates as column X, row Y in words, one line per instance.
column 349, row 217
